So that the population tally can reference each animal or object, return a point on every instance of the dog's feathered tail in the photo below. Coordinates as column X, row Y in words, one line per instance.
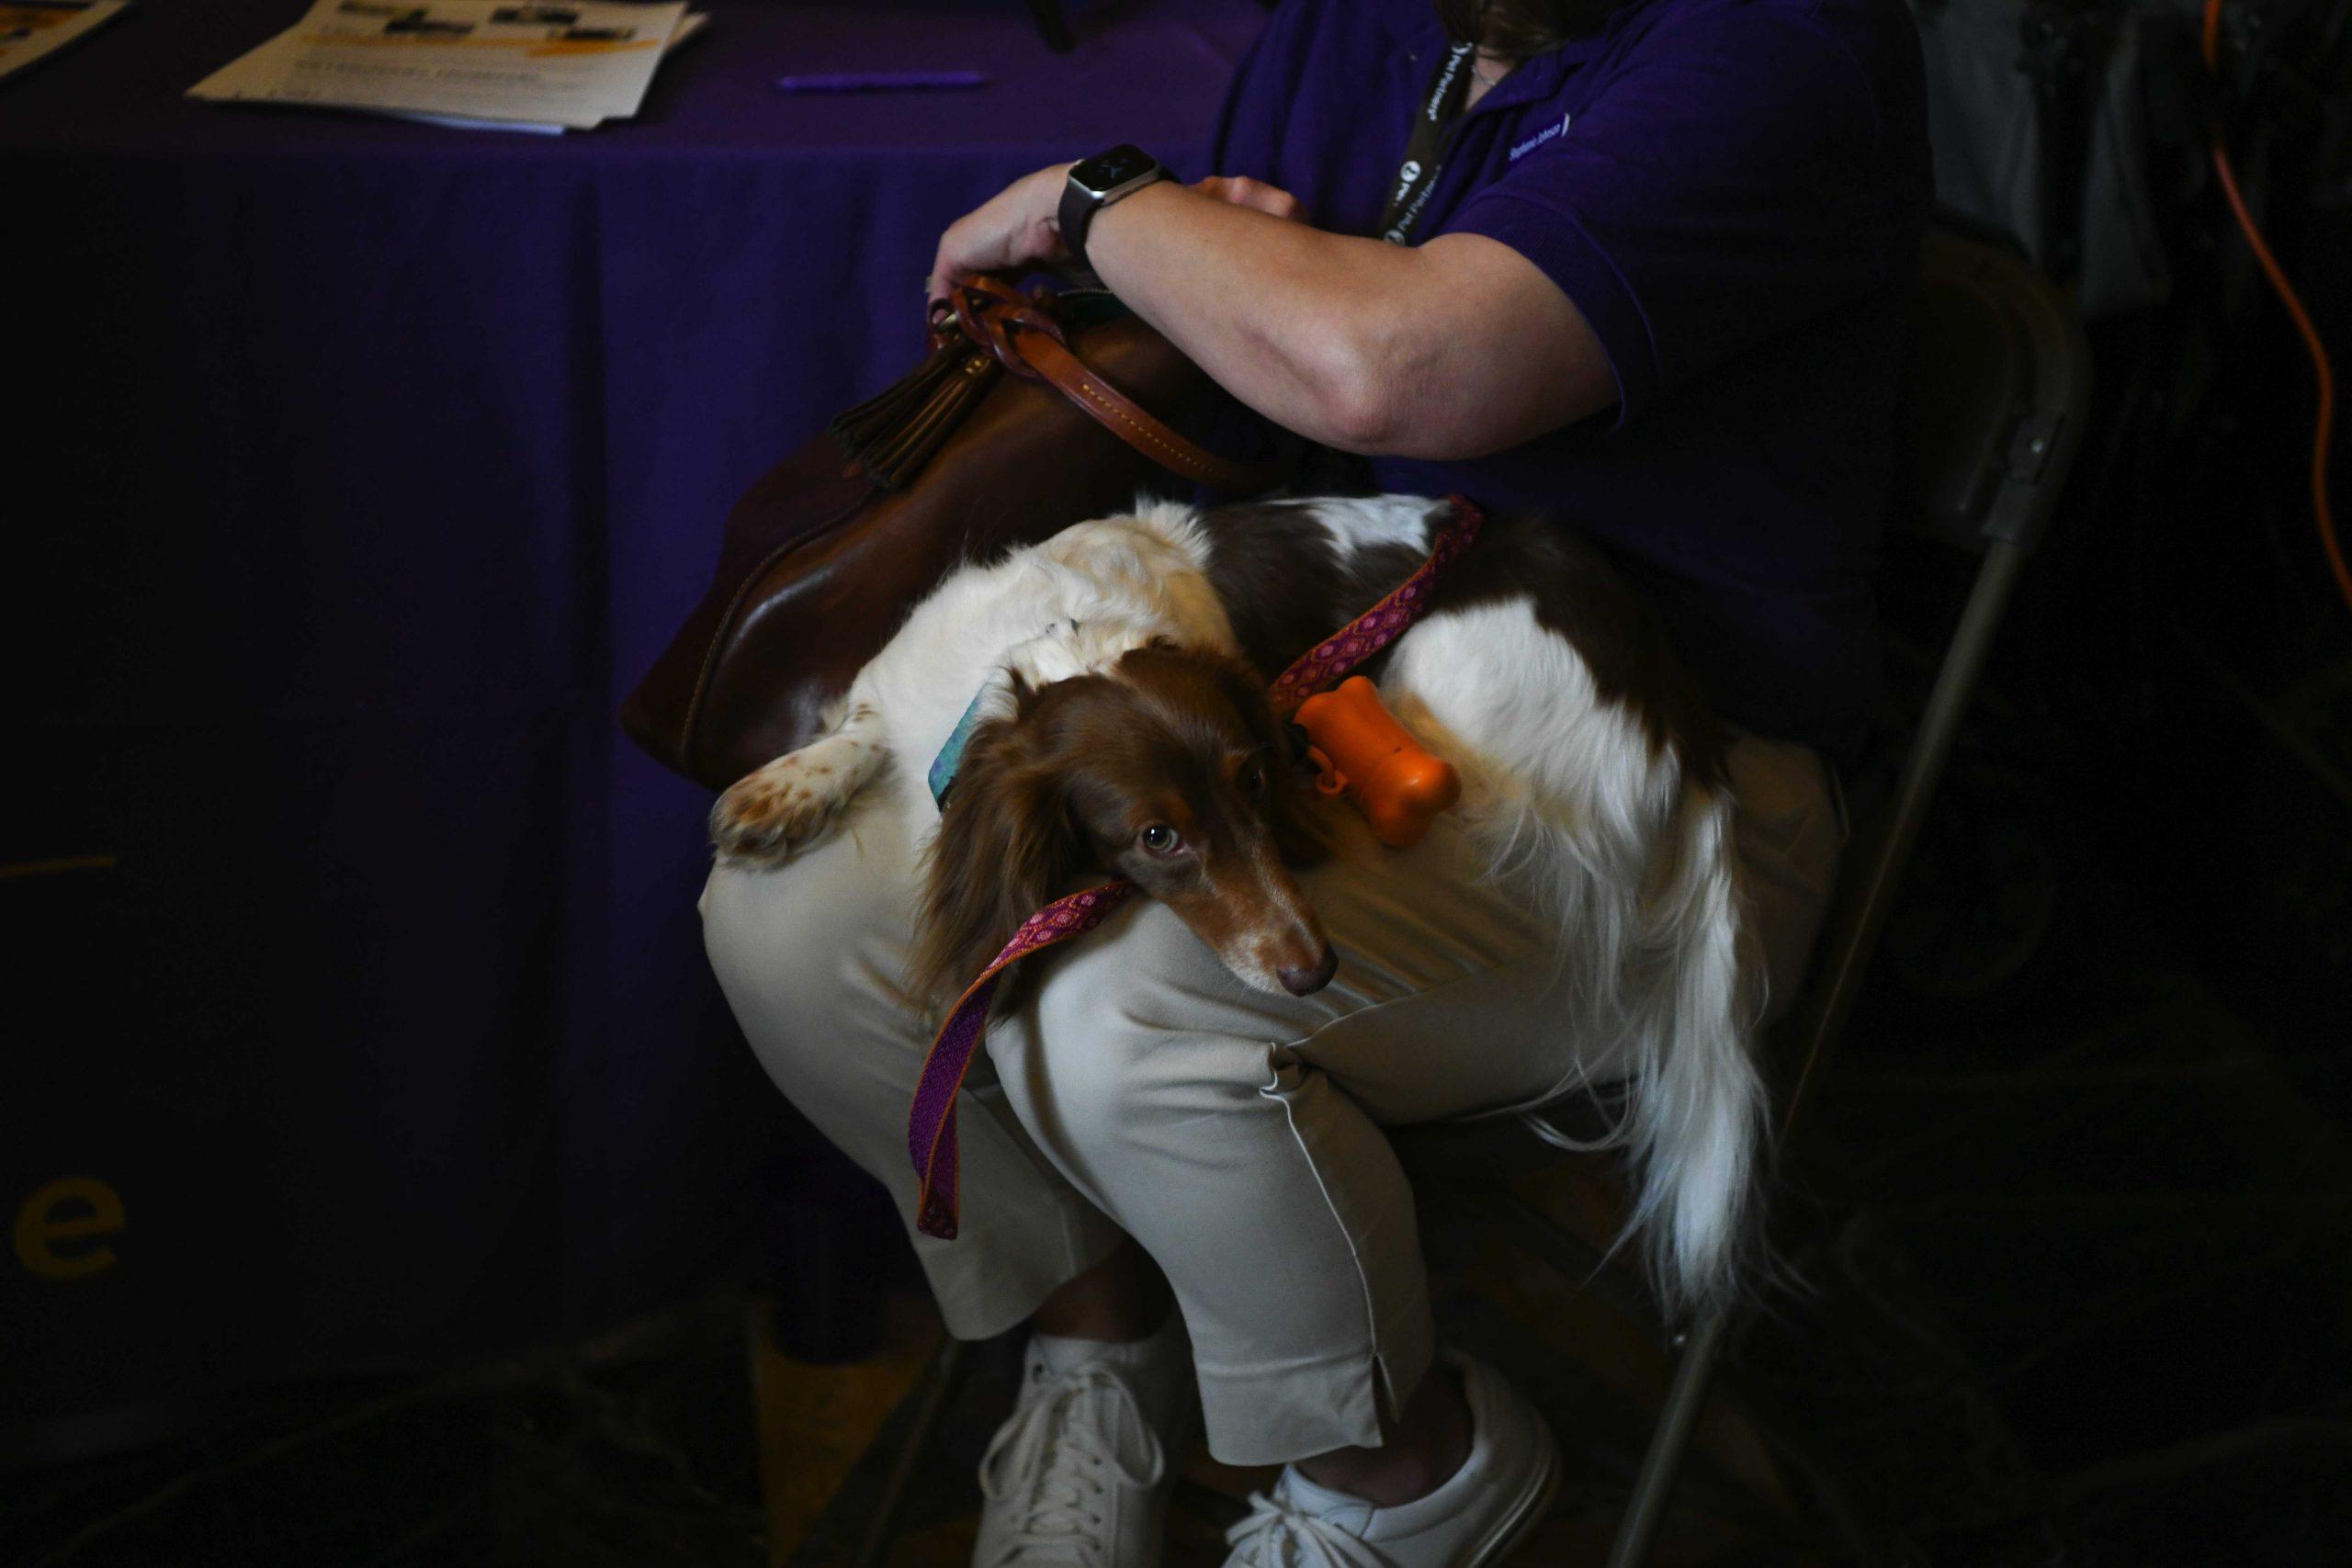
column 1639, row 882
column 1695, row 1128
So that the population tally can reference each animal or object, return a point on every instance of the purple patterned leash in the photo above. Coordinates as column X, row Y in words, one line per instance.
column 1340, row 652
column 931, row 1124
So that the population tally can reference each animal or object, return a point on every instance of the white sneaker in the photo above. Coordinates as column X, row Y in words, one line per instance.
column 1476, row 1516
column 1079, row 1476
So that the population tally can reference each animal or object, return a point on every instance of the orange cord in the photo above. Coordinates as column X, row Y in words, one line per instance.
column 2325, row 430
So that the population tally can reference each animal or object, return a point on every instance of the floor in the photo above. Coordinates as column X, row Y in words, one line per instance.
column 633, row 1451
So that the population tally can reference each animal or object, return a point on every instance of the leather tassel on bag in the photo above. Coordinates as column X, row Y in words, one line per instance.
column 894, row 433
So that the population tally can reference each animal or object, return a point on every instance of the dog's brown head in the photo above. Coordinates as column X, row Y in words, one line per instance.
column 1169, row 770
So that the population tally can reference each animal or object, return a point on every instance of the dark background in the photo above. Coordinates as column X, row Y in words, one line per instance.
column 2071, row 1224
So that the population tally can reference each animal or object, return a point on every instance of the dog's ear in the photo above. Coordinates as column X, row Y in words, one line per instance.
column 1293, row 808
column 1006, row 845
column 1301, row 833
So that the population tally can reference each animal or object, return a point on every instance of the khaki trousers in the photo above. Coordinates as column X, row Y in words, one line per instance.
column 1234, row 1135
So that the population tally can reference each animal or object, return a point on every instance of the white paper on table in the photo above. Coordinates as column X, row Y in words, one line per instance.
column 569, row 63
column 462, row 122
column 688, row 25
column 27, row 32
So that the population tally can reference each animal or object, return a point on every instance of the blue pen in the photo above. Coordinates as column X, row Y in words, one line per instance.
column 880, row 81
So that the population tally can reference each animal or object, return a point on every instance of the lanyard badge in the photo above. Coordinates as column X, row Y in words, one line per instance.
column 1425, row 150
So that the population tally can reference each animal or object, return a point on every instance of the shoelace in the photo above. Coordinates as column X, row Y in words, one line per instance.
column 1277, row 1535
column 1055, row 1458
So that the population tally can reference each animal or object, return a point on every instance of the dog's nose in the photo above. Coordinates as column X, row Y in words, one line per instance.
column 1307, row 981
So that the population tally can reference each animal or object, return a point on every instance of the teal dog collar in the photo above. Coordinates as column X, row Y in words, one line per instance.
column 941, row 777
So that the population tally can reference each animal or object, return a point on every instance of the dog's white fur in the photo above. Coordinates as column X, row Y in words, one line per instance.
column 1562, row 793
column 1069, row 606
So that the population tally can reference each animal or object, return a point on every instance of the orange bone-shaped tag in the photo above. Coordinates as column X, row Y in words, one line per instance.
column 1398, row 786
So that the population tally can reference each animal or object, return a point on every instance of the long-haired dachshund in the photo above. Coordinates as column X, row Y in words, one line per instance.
column 1109, row 684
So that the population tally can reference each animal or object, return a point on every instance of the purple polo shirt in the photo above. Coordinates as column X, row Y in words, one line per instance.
column 1732, row 193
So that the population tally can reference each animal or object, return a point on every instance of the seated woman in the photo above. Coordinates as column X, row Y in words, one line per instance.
column 1641, row 266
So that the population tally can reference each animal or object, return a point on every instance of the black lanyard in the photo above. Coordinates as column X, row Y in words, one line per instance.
column 1425, row 150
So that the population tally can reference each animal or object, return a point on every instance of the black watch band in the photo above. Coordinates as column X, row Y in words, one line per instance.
column 1095, row 182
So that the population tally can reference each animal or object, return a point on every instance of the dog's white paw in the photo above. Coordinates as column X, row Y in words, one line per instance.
column 766, row 817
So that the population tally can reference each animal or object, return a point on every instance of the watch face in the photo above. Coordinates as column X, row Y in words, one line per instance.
column 1111, row 170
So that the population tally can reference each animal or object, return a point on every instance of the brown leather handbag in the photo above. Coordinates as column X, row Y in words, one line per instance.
column 1029, row 414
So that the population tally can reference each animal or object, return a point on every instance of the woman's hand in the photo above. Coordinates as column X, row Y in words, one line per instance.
column 1446, row 350
column 1020, row 225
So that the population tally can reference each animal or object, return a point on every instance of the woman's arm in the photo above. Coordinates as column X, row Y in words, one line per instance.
column 1448, row 350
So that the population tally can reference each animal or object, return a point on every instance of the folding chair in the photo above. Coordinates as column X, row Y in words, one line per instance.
column 1999, row 381
column 2000, row 378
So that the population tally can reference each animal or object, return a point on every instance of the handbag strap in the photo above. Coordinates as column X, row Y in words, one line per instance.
column 1022, row 332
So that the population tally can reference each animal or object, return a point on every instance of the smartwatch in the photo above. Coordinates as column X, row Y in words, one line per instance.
column 1095, row 182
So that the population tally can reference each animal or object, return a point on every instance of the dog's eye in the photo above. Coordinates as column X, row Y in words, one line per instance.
column 1159, row 838
column 1254, row 778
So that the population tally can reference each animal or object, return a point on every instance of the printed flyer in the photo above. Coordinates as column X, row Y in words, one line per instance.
column 573, row 64
column 27, row 32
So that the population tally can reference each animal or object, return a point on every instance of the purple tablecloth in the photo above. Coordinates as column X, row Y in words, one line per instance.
column 361, row 468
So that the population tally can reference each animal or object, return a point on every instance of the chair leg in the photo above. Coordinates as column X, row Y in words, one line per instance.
column 1856, row 925
column 943, row 1381
column 1654, row 1487
column 1587, row 1270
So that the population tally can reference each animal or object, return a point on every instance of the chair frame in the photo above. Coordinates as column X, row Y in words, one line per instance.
column 1994, row 488
column 1990, row 485
column 1838, row 984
